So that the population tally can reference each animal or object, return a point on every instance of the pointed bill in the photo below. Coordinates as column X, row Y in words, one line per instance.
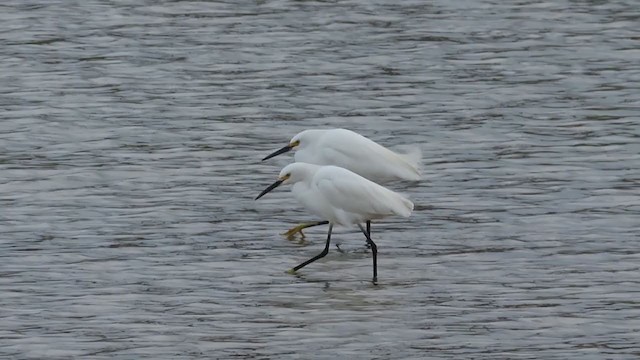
column 278, row 152
column 271, row 187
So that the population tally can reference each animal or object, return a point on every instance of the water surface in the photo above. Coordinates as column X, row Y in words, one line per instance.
column 131, row 135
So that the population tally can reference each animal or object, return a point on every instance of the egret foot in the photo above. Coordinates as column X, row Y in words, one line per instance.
column 291, row 233
column 291, row 272
column 298, row 229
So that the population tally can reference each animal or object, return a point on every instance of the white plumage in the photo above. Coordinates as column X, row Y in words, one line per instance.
column 341, row 197
column 352, row 151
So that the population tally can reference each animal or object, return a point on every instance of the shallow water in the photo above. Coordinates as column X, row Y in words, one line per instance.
column 131, row 135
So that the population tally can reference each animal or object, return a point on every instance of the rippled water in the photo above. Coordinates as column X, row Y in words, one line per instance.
column 131, row 134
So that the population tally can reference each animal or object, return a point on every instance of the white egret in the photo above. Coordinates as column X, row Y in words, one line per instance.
column 352, row 151
column 342, row 197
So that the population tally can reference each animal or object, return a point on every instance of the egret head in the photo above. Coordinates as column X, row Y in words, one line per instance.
column 290, row 174
column 299, row 141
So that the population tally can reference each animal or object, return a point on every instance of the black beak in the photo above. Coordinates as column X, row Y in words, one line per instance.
column 271, row 187
column 278, row 152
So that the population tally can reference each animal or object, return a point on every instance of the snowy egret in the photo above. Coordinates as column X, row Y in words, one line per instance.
column 352, row 151
column 343, row 198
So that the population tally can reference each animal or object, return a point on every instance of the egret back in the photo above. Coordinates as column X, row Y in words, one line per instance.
column 350, row 150
column 354, row 199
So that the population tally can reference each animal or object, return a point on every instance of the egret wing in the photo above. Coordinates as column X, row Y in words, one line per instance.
column 364, row 156
column 349, row 192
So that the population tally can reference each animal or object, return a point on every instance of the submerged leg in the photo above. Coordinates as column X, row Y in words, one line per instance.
column 374, row 251
column 321, row 255
column 298, row 229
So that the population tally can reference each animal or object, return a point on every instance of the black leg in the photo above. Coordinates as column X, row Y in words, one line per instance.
column 321, row 255
column 369, row 232
column 366, row 242
column 374, row 251
column 317, row 223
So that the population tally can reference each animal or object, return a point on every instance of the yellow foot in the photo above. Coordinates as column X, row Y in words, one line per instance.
column 290, row 234
column 291, row 272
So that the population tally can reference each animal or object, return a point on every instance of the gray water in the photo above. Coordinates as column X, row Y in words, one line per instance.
column 131, row 134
